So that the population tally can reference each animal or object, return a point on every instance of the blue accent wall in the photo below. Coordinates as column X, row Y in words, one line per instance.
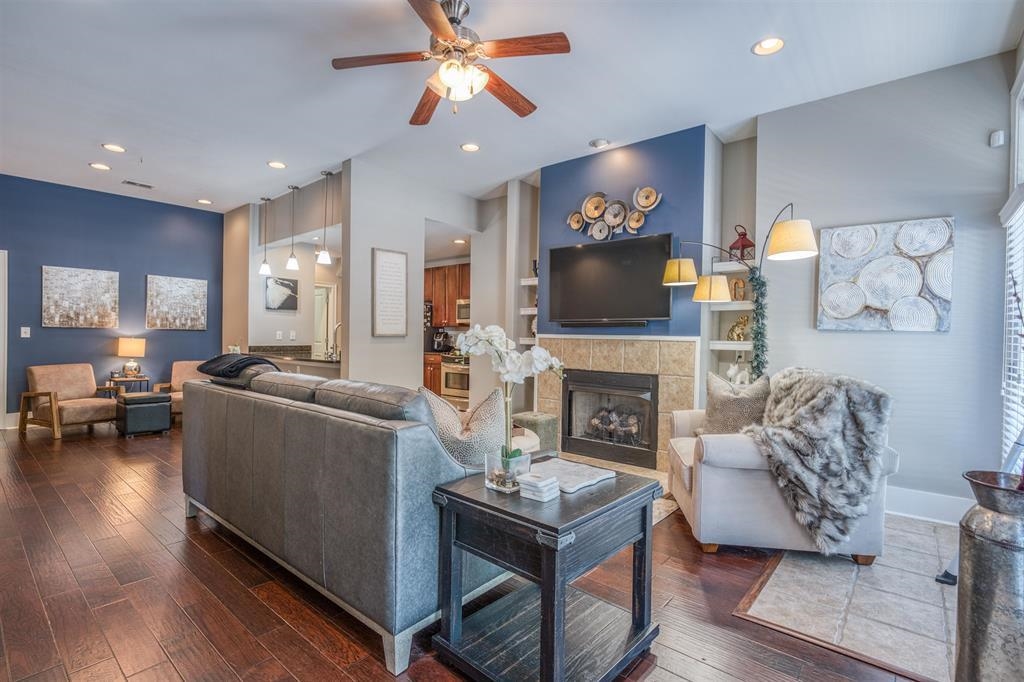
column 47, row 224
column 674, row 165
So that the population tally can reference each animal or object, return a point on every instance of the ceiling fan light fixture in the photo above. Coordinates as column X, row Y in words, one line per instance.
column 452, row 73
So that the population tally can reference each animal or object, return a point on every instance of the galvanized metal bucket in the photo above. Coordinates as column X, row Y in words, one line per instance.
column 990, row 595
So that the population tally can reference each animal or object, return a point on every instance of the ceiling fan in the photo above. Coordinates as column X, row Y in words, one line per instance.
column 459, row 77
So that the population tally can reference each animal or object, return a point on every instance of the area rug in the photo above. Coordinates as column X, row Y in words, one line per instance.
column 663, row 507
column 891, row 614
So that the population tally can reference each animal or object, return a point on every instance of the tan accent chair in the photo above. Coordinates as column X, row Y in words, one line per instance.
column 65, row 395
column 181, row 371
column 729, row 496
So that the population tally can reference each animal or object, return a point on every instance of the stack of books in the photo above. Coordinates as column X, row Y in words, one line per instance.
column 537, row 487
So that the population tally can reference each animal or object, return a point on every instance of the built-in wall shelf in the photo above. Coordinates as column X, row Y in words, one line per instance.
column 527, row 341
column 731, row 345
column 527, row 311
column 528, row 282
column 728, row 266
column 731, row 305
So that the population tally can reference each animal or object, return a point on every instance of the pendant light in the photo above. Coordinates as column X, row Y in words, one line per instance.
column 324, row 256
column 293, row 262
column 265, row 266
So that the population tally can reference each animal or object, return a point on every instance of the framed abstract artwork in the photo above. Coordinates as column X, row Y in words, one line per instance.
column 79, row 298
column 281, row 293
column 894, row 276
column 175, row 303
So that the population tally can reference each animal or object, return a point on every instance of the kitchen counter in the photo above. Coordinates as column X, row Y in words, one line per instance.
column 297, row 364
column 296, row 358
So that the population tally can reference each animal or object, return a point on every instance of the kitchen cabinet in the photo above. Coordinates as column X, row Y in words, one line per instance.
column 442, row 287
column 432, row 372
column 463, row 274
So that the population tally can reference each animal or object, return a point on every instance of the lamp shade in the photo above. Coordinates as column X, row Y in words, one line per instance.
column 679, row 272
column 265, row 269
column 128, row 347
column 323, row 257
column 792, row 240
column 712, row 289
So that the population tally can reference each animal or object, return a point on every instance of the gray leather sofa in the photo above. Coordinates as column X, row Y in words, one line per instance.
column 333, row 480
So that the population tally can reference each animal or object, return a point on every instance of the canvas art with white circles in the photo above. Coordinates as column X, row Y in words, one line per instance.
column 887, row 276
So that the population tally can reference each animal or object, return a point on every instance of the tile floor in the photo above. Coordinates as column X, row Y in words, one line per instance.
column 892, row 611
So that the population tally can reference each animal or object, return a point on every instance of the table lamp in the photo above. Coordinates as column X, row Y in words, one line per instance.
column 131, row 348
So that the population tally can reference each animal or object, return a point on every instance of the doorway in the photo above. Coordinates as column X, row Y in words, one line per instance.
column 324, row 318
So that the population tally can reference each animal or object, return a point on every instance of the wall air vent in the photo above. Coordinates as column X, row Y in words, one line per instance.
column 136, row 184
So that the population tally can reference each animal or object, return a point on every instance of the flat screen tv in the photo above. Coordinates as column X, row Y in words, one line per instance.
column 611, row 282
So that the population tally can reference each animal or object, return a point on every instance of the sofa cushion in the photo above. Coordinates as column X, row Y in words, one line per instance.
column 301, row 387
column 375, row 400
column 469, row 436
column 733, row 406
column 80, row 410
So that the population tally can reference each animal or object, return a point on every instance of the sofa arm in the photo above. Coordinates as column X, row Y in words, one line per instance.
column 729, row 451
column 686, row 422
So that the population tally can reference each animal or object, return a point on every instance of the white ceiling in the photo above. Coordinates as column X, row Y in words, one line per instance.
column 204, row 92
column 439, row 243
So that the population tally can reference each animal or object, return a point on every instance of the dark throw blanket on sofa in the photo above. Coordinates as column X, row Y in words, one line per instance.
column 824, row 436
column 230, row 365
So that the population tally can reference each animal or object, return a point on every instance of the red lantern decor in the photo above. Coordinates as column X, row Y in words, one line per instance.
column 742, row 248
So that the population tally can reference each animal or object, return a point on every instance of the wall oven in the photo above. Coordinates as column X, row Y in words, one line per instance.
column 455, row 381
column 462, row 312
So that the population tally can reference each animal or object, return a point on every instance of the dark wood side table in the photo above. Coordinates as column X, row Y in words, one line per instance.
column 139, row 382
column 546, row 630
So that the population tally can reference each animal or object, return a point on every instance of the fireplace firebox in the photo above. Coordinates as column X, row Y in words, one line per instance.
column 611, row 415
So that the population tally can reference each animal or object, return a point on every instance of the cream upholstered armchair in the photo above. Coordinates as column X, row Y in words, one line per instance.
column 65, row 395
column 728, row 495
column 181, row 371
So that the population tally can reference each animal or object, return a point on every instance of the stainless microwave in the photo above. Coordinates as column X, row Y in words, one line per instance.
column 462, row 312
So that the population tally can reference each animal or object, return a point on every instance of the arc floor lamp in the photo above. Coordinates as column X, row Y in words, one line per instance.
column 791, row 239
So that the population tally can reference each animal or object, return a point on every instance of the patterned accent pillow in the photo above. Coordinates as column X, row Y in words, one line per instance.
column 733, row 406
column 469, row 436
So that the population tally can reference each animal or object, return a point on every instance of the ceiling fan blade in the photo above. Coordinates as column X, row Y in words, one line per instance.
column 509, row 96
column 527, row 46
column 425, row 108
column 433, row 16
column 375, row 59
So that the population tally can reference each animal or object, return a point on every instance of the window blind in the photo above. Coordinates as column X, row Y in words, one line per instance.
column 1013, row 341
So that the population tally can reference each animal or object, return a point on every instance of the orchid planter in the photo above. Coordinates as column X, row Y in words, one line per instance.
column 503, row 472
column 504, row 466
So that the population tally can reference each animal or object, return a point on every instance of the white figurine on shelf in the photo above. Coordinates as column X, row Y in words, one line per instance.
column 738, row 376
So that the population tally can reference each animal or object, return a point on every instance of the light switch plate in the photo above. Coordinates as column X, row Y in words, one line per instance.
column 279, row 335
column 26, row 332
column 291, row 335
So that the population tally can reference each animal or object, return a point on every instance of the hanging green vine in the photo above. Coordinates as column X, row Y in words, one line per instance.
column 759, row 361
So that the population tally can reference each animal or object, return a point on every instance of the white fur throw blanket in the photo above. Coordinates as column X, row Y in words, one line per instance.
column 824, row 436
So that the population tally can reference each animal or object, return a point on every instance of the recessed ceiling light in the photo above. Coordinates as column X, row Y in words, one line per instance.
column 316, row 239
column 458, row 241
column 99, row 166
column 763, row 48
column 204, row 202
column 116, row 148
column 277, row 164
column 469, row 147
column 599, row 143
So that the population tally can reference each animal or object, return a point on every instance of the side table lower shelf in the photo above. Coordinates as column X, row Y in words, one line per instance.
column 502, row 640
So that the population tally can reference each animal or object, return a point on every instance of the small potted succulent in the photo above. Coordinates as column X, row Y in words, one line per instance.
column 502, row 468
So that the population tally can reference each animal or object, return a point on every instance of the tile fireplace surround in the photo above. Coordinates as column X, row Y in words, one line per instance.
column 673, row 360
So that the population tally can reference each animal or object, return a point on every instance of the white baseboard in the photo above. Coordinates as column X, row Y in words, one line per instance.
column 9, row 421
column 921, row 504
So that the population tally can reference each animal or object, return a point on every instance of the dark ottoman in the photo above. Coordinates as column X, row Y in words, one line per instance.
column 143, row 413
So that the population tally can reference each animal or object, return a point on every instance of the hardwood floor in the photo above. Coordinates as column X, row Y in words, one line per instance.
column 103, row 578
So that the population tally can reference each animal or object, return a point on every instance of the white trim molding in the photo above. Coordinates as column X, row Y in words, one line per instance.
column 921, row 504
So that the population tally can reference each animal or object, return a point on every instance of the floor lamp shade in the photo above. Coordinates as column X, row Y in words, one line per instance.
column 679, row 272
column 792, row 240
column 712, row 289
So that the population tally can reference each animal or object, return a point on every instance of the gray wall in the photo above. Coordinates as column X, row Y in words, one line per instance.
column 910, row 148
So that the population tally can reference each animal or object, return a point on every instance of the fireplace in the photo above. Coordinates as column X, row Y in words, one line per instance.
column 611, row 415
